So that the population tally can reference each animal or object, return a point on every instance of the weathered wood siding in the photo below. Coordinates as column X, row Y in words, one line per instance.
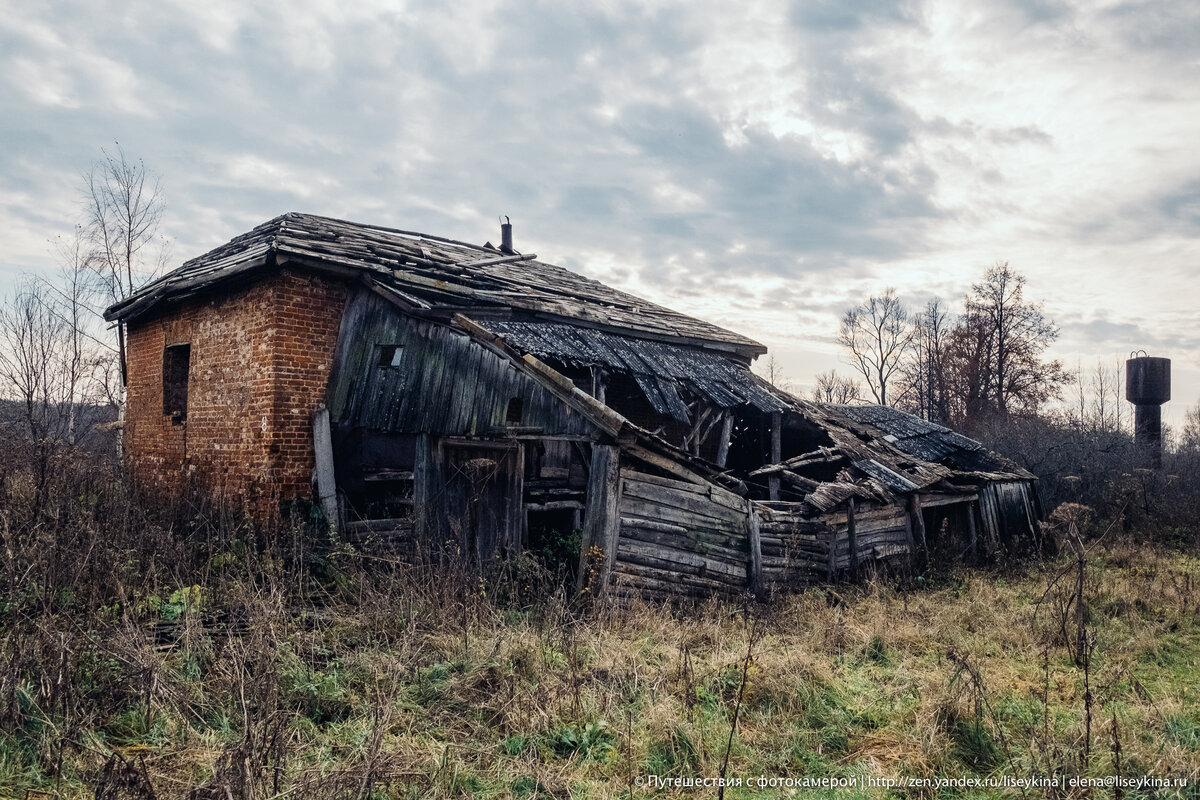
column 443, row 382
column 680, row 539
column 1008, row 512
column 795, row 549
column 881, row 532
column 800, row 551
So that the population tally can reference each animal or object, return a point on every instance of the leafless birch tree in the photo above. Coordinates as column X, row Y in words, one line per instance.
column 124, row 207
column 876, row 335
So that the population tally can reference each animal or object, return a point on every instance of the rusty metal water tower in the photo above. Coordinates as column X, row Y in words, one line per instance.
column 1148, row 386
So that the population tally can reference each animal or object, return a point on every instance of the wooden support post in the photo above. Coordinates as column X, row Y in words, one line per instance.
column 832, row 553
column 776, row 452
column 910, row 539
column 599, row 383
column 515, row 523
column 421, row 493
column 602, row 517
column 726, row 435
column 754, row 568
column 326, row 482
column 428, row 495
column 918, row 524
column 852, row 535
column 973, row 530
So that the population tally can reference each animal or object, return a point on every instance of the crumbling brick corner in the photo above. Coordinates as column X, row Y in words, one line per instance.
column 259, row 359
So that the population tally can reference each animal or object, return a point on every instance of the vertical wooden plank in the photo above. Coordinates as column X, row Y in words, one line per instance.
column 776, row 452
column 429, row 495
column 421, row 495
column 516, row 503
column 585, row 549
column 852, row 534
column 918, row 524
column 910, row 540
column 972, row 529
column 439, row 519
column 726, row 435
column 754, row 571
column 326, row 482
column 602, row 516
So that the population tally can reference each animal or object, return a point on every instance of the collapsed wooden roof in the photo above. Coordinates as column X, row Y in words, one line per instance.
column 879, row 453
column 433, row 271
column 660, row 369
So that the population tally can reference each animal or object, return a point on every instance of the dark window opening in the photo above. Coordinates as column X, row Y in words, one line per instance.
column 516, row 407
column 390, row 355
column 176, row 360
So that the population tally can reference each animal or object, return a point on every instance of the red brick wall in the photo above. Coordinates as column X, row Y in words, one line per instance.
column 260, row 360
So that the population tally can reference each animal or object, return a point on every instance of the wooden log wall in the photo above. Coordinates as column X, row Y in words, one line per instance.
column 680, row 539
column 395, row 538
column 881, row 533
column 795, row 549
column 799, row 551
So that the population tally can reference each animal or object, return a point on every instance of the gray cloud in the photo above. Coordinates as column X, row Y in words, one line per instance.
column 695, row 149
column 1158, row 26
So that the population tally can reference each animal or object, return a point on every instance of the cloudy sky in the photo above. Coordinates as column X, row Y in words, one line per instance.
column 762, row 165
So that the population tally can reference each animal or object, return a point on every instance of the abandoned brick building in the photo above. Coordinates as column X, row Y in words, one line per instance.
column 430, row 394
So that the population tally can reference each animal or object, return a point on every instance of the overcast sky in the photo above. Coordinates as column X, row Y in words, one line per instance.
column 761, row 165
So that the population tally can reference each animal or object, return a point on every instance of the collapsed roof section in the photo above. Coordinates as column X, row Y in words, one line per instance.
column 659, row 368
column 881, row 454
column 872, row 453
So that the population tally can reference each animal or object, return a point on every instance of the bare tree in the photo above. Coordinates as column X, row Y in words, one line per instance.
column 1189, row 436
column 87, row 359
column 923, row 371
column 1017, row 333
column 772, row 371
column 834, row 388
column 124, row 208
column 876, row 335
column 34, row 369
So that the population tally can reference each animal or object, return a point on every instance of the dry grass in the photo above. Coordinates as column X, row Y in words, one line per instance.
column 401, row 684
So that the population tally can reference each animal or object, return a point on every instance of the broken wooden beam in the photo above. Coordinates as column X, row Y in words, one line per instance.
column 326, row 482
column 602, row 518
column 776, row 453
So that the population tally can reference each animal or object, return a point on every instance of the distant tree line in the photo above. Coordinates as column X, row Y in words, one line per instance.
column 965, row 370
column 984, row 371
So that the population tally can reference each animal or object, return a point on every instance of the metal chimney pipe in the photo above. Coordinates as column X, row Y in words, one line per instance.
column 506, row 242
column 1148, row 386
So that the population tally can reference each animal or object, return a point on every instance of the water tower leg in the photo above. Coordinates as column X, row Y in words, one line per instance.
column 1147, row 428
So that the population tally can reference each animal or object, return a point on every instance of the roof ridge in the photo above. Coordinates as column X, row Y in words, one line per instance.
column 385, row 229
column 438, row 266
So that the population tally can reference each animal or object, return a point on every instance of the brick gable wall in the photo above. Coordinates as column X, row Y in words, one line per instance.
column 259, row 363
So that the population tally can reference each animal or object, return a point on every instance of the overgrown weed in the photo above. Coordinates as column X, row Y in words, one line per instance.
column 187, row 654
